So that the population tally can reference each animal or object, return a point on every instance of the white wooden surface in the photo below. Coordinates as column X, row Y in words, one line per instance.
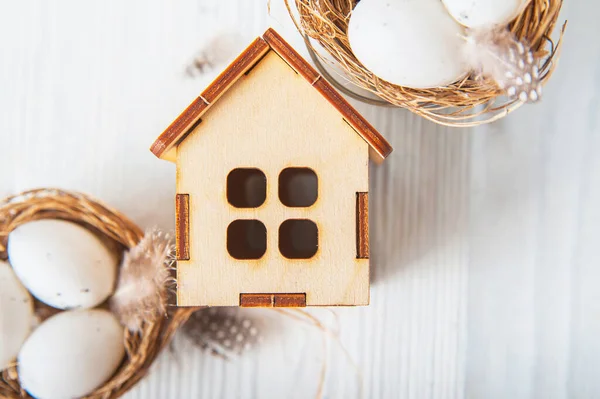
column 485, row 241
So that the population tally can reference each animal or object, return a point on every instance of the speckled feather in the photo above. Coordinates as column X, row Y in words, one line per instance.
column 224, row 331
column 497, row 54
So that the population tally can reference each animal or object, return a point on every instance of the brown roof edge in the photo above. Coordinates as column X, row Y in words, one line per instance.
column 271, row 40
column 180, row 126
column 184, row 121
column 356, row 120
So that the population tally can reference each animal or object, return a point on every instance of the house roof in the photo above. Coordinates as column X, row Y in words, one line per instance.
column 252, row 55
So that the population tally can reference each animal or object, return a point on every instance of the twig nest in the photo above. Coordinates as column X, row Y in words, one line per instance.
column 62, row 264
column 484, row 13
column 71, row 354
column 413, row 43
column 16, row 315
column 478, row 97
column 75, row 352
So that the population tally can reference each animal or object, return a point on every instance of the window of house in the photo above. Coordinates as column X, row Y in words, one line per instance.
column 246, row 188
column 298, row 187
column 247, row 238
column 298, row 239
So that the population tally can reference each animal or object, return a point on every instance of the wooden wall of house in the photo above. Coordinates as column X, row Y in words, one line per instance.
column 273, row 119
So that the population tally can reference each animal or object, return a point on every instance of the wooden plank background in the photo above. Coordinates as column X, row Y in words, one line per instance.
column 485, row 242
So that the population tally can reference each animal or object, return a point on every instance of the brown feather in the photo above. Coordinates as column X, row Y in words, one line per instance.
column 144, row 281
column 216, row 51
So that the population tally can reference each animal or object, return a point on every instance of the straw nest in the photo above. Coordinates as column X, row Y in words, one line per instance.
column 120, row 233
column 467, row 102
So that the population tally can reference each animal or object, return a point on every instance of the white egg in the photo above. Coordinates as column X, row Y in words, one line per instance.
column 412, row 43
column 16, row 315
column 62, row 264
column 71, row 354
column 484, row 13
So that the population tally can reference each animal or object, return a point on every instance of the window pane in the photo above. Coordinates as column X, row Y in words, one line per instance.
column 246, row 188
column 298, row 239
column 298, row 187
column 246, row 239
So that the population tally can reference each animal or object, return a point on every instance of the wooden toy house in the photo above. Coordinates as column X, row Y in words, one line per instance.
column 272, row 186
